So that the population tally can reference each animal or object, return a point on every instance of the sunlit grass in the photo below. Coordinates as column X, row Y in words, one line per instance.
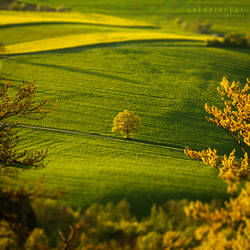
column 17, row 17
column 164, row 74
column 94, row 169
column 92, row 39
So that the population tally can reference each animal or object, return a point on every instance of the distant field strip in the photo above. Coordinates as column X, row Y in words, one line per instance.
column 91, row 39
column 13, row 18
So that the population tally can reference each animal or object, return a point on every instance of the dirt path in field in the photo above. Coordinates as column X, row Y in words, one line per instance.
column 73, row 132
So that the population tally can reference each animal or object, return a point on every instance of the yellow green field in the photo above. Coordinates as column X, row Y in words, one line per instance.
column 92, row 39
column 17, row 17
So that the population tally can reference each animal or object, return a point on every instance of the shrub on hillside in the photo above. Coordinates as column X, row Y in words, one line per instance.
column 185, row 25
column 214, row 42
column 199, row 27
column 231, row 40
column 62, row 8
column 44, row 8
column 178, row 21
column 235, row 40
column 15, row 6
column 203, row 28
column 22, row 6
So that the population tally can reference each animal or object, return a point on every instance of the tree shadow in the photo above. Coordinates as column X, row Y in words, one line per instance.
column 198, row 133
column 80, row 48
column 83, row 71
column 141, row 200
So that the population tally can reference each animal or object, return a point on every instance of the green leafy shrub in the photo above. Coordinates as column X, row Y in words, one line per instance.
column 62, row 8
column 37, row 240
column 178, row 21
column 44, row 8
column 152, row 241
column 51, row 214
column 203, row 28
column 8, row 238
column 230, row 40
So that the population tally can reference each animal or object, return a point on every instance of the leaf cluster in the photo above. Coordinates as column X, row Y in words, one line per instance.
column 231, row 40
column 235, row 117
column 126, row 123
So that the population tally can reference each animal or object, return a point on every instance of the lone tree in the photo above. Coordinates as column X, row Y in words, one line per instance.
column 25, row 105
column 126, row 123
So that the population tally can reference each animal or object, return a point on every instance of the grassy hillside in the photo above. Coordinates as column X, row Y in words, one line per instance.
column 166, row 83
column 225, row 15
column 163, row 74
column 95, row 169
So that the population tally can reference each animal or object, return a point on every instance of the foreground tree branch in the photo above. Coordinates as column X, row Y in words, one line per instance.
column 235, row 116
column 24, row 105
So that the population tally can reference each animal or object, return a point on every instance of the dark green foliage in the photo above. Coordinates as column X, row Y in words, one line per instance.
column 44, row 221
column 215, row 42
column 203, row 28
column 235, row 40
column 23, row 6
column 2, row 48
column 113, row 227
column 231, row 40
column 17, row 211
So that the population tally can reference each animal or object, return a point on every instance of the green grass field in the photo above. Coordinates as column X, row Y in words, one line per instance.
column 163, row 74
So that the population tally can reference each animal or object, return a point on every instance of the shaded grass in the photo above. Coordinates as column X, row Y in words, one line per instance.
column 20, row 34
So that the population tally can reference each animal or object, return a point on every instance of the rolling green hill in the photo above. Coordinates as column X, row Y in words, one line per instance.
column 163, row 74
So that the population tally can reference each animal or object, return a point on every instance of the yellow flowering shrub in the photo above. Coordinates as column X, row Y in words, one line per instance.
column 227, row 227
column 235, row 116
column 175, row 240
column 37, row 240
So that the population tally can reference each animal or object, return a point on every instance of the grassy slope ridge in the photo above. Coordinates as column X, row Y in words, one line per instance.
column 91, row 39
column 165, row 82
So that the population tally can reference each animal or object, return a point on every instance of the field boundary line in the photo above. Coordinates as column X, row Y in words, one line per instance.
column 100, row 38
column 74, row 132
